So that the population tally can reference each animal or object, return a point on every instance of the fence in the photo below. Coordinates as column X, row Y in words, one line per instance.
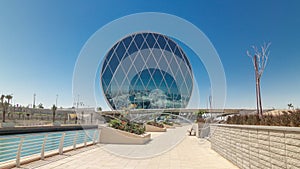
column 15, row 150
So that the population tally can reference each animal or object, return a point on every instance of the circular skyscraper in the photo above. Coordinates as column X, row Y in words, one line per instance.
column 146, row 71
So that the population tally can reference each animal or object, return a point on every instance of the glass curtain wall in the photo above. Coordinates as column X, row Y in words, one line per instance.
column 146, row 71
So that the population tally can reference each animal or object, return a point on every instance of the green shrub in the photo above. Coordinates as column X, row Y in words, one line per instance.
column 168, row 123
column 177, row 123
column 295, row 119
column 286, row 118
column 153, row 123
column 115, row 123
column 127, row 126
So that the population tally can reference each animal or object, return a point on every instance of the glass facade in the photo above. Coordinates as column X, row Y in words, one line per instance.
column 146, row 71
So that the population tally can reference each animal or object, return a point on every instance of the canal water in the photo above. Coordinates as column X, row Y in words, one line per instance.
column 33, row 143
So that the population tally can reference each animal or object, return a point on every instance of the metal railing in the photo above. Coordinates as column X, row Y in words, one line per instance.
column 14, row 149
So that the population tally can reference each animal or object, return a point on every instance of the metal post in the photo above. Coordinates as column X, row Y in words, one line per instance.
column 56, row 100
column 43, row 147
column 19, row 152
column 94, row 137
column 85, row 137
column 91, row 118
column 99, row 135
column 75, row 139
column 61, row 144
column 34, row 95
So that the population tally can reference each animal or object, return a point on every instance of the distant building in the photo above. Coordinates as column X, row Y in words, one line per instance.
column 146, row 71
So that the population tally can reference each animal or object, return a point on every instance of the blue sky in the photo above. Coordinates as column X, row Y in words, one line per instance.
column 40, row 41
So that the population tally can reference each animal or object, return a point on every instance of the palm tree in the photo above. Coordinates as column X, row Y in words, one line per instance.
column 3, row 109
column 40, row 106
column 290, row 106
column 8, row 97
column 2, row 99
column 54, row 108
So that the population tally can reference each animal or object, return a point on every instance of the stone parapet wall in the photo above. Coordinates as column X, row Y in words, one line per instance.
column 257, row 147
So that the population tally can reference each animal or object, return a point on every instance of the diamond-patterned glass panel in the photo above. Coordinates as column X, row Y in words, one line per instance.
column 120, row 51
column 127, row 41
column 150, row 40
column 139, row 40
column 148, row 70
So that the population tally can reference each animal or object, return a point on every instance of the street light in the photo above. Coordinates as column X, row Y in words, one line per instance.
column 34, row 95
column 56, row 100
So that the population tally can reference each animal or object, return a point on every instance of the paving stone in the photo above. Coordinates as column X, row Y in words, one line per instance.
column 190, row 153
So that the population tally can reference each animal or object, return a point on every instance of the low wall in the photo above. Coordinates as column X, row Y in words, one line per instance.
column 150, row 128
column 168, row 126
column 113, row 136
column 257, row 147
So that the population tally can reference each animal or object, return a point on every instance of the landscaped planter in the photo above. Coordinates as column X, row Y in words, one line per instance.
column 150, row 128
column 177, row 125
column 169, row 127
column 114, row 136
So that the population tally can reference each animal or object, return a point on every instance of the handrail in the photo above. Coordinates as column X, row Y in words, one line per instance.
column 5, row 155
column 68, row 139
column 8, row 146
column 31, row 146
column 41, row 143
column 8, row 159
column 31, row 140
column 33, row 134
column 1, row 140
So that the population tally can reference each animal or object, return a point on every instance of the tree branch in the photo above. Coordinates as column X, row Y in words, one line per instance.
column 262, row 57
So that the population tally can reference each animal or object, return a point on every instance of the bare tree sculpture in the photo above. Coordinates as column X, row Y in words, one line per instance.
column 259, row 59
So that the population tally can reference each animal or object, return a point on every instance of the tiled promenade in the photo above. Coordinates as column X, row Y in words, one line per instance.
column 191, row 153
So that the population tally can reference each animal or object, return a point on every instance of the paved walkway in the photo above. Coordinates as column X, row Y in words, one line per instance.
column 160, row 143
column 191, row 153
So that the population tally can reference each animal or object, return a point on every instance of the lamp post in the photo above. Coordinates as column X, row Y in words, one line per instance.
column 77, row 104
column 56, row 100
column 34, row 95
